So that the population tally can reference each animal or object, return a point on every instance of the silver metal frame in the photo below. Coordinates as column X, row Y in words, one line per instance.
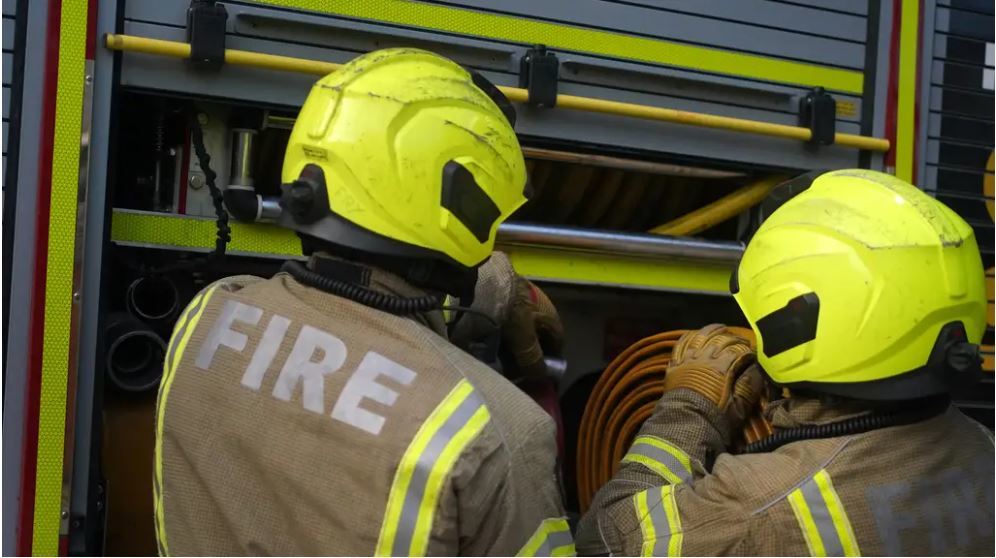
column 94, row 227
column 21, row 271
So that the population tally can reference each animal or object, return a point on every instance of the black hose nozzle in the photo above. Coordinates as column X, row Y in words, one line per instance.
column 153, row 299
column 134, row 355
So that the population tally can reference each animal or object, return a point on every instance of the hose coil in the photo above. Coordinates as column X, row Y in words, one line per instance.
column 622, row 400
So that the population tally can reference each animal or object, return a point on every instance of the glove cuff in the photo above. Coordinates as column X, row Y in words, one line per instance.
column 702, row 381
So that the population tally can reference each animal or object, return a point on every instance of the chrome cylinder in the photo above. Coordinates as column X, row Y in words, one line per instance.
column 243, row 144
column 618, row 243
column 269, row 209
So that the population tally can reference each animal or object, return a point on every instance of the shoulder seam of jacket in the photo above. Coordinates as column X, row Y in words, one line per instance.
column 985, row 431
column 501, row 435
column 823, row 465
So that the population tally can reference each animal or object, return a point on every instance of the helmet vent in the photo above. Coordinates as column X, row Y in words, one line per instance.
column 790, row 326
column 465, row 199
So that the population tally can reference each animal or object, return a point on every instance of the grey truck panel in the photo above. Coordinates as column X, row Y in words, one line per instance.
column 812, row 20
column 716, row 24
column 8, row 67
column 264, row 28
column 281, row 89
column 8, row 33
column 856, row 7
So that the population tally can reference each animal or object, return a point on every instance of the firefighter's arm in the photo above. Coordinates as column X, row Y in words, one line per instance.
column 511, row 503
column 527, row 322
column 707, row 517
column 709, row 389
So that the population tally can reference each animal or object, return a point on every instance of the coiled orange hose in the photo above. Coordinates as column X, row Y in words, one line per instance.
column 622, row 399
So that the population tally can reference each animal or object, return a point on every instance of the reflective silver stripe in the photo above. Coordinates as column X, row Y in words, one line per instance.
column 662, row 457
column 554, row 540
column 661, row 526
column 426, row 460
column 821, row 517
column 180, row 328
column 658, row 516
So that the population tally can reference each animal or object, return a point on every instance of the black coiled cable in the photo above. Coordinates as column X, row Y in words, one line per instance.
column 856, row 425
column 224, row 231
column 358, row 293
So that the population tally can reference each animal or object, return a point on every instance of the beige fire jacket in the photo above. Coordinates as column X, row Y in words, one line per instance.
column 294, row 422
column 920, row 489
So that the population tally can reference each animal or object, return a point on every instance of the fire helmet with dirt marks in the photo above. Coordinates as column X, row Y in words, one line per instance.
column 863, row 286
column 404, row 153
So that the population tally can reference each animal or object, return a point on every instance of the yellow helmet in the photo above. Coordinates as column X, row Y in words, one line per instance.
column 404, row 153
column 863, row 286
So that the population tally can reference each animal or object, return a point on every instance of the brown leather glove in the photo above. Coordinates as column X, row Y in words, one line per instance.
column 531, row 330
column 720, row 366
column 530, row 327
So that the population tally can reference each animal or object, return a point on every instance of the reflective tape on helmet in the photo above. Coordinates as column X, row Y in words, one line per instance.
column 822, row 519
column 185, row 326
column 421, row 475
column 552, row 538
column 661, row 457
column 660, row 524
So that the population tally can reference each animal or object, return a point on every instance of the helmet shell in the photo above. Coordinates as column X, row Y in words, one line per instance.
column 889, row 265
column 383, row 128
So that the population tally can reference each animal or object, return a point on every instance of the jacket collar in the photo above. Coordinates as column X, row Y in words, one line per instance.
column 373, row 278
column 792, row 412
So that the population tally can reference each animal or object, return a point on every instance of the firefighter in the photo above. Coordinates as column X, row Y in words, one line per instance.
column 323, row 411
column 863, row 293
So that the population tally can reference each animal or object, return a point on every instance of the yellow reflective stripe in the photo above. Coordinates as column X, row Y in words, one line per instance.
column 414, row 462
column 841, row 523
column 181, row 231
column 60, row 268
column 181, row 336
column 552, row 538
column 427, row 512
column 660, row 524
column 822, row 519
column 806, row 523
column 647, row 530
column 654, row 466
column 673, row 520
column 179, row 326
column 909, row 35
column 661, row 457
column 528, row 31
column 547, row 264
column 566, row 550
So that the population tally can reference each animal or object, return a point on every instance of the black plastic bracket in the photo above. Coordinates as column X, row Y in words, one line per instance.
column 206, row 34
column 538, row 72
column 818, row 112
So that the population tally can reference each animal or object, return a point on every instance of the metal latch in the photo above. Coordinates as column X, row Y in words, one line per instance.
column 206, row 34
column 818, row 112
column 538, row 72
